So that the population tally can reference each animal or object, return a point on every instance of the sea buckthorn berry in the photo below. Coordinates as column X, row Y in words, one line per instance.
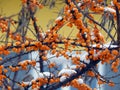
column 111, row 84
column 5, row 70
column 44, row 58
column 1, row 58
column 115, row 52
column 9, row 88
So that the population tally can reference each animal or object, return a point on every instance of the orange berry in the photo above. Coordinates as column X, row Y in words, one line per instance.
column 53, row 51
column 115, row 52
column 5, row 70
column 0, row 58
column 91, row 73
column 111, row 84
column 9, row 44
column 16, row 68
column 27, row 42
column 24, row 1
column 51, row 65
column 17, row 43
column 9, row 88
column 44, row 58
column 33, row 62
column 83, row 44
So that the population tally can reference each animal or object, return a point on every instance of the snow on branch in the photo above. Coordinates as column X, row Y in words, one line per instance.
column 66, row 71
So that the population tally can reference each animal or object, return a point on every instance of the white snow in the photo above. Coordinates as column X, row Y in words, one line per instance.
column 92, row 36
column 112, row 4
column 44, row 75
column 43, row 35
column 106, row 46
column 83, row 57
column 24, row 61
column 63, row 78
column 59, row 18
column 47, row 74
column 28, row 83
column 85, row 33
column 41, row 75
column 34, row 55
column 48, row 30
column 80, row 81
column 109, row 9
column 96, row 53
column 87, row 61
column 111, row 46
column 58, row 60
column 73, row 67
column 66, row 71
column 79, row 4
column 68, row 10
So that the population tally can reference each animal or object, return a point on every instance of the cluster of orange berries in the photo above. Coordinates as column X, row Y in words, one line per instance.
column 115, row 65
column 76, row 84
column 98, row 37
column 76, row 60
column 90, row 73
column 14, row 69
column 3, row 71
column 73, row 16
column 4, row 52
column 3, row 25
column 16, row 37
column 112, row 84
column 22, row 65
column 52, row 35
column 107, row 56
column 25, row 63
column 96, row 8
column 27, row 45
column 40, row 82
column 37, row 45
